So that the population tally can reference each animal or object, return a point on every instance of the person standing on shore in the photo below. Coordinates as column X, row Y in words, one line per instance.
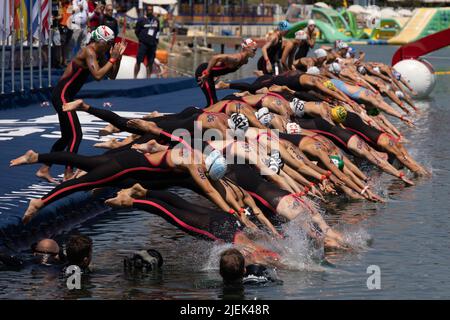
column 147, row 32
column 222, row 64
column 90, row 60
column 309, row 42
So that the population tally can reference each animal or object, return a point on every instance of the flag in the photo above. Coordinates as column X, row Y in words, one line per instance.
column 40, row 18
column 6, row 18
column 18, row 17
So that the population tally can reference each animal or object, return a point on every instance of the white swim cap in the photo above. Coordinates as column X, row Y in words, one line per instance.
column 320, row 53
column 102, row 33
column 334, row 68
column 301, row 35
column 247, row 43
column 293, row 128
column 362, row 70
column 216, row 165
column 399, row 94
column 313, row 71
column 342, row 45
column 397, row 75
column 298, row 107
column 376, row 69
column 264, row 116
column 238, row 122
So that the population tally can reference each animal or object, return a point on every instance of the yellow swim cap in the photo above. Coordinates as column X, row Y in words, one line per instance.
column 338, row 114
column 329, row 85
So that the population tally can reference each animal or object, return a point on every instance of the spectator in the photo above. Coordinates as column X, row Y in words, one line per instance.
column 147, row 32
column 79, row 24
column 65, row 32
column 232, row 267
column 79, row 251
column 109, row 21
column 96, row 9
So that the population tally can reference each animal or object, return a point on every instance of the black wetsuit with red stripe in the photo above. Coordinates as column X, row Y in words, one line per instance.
column 104, row 170
column 208, row 86
column 338, row 135
column 291, row 79
column 64, row 91
column 202, row 222
column 354, row 123
column 263, row 192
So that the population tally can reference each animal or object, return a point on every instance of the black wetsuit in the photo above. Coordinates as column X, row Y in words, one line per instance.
column 289, row 79
column 104, row 170
column 65, row 91
column 207, row 223
column 292, row 138
column 209, row 87
column 354, row 123
column 274, row 53
column 338, row 135
column 264, row 192
column 302, row 50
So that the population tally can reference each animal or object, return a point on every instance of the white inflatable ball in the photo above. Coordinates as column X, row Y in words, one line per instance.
column 126, row 70
column 419, row 75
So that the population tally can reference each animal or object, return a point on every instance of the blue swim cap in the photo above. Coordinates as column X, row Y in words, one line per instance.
column 284, row 25
column 216, row 165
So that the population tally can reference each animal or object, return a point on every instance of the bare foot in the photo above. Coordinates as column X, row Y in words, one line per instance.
column 32, row 210
column 150, row 147
column 44, row 173
column 258, row 73
column 68, row 174
column 73, row 105
column 143, row 125
column 110, row 144
column 152, row 115
column 109, row 129
column 222, row 85
column 125, row 197
column 28, row 158
column 79, row 173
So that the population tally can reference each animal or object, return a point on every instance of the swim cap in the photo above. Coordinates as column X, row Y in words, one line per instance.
column 298, row 107
column 301, row 35
column 337, row 161
column 338, row 114
column 399, row 94
column 284, row 25
column 373, row 112
column 397, row 74
column 311, row 22
column 341, row 45
column 350, row 53
column 334, row 68
column 216, row 165
column 264, row 116
column 362, row 70
column 102, row 33
column 376, row 69
column 247, row 43
column 313, row 71
column 320, row 53
column 293, row 128
column 237, row 122
column 273, row 164
column 330, row 85
column 276, row 156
